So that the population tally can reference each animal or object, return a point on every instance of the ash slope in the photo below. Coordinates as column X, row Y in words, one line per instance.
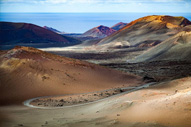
column 147, row 31
column 28, row 73
column 176, row 48
column 26, row 34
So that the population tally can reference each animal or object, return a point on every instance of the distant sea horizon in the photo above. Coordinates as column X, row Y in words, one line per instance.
column 78, row 22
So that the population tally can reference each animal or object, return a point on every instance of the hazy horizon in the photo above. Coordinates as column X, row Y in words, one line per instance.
column 78, row 22
column 78, row 16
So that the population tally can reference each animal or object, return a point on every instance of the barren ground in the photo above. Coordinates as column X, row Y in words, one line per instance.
column 165, row 105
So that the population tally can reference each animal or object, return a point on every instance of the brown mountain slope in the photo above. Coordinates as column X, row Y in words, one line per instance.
column 147, row 31
column 176, row 48
column 99, row 32
column 32, row 35
column 27, row 73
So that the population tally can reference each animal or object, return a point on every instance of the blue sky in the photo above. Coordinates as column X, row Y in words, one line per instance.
column 95, row 6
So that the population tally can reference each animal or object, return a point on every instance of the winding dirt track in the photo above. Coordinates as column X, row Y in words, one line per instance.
column 27, row 102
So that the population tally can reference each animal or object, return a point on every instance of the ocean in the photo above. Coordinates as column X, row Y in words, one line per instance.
column 78, row 22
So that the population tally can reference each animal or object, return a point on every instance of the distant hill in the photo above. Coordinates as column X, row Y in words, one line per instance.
column 53, row 30
column 118, row 26
column 146, row 32
column 26, row 34
column 99, row 32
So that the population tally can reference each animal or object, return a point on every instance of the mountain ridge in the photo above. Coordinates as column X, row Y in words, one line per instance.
column 140, row 30
column 31, row 35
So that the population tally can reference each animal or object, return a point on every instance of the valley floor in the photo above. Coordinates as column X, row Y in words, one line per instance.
column 117, row 59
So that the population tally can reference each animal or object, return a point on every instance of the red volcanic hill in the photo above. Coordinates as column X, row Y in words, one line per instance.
column 147, row 31
column 118, row 26
column 32, row 35
column 99, row 32
column 28, row 72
